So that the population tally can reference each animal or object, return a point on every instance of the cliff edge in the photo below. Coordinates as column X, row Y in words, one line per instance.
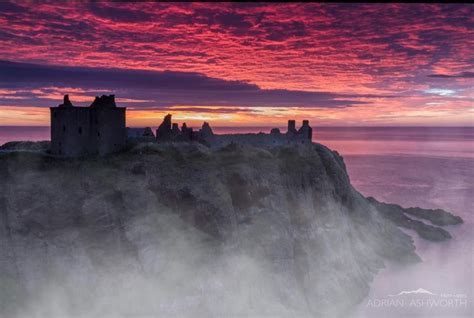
column 179, row 229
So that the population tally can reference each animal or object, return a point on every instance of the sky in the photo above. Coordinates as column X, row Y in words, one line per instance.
column 241, row 64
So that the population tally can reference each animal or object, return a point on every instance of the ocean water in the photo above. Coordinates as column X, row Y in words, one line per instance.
column 413, row 141
column 430, row 167
column 17, row 133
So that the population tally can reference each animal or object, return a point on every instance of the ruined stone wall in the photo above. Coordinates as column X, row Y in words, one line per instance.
column 170, row 132
column 70, row 131
column 135, row 135
column 109, row 130
column 257, row 140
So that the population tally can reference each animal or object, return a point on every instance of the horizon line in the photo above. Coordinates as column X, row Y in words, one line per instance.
column 253, row 126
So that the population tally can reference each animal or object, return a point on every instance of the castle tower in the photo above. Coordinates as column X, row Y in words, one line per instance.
column 186, row 133
column 306, row 130
column 163, row 133
column 292, row 127
column 97, row 129
column 206, row 130
column 175, row 130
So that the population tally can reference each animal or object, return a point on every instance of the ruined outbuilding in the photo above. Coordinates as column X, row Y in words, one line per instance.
column 169, row 131
column 140, row 134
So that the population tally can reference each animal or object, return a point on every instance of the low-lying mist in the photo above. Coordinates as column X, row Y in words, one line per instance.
column 177, row 230
column 172, row 270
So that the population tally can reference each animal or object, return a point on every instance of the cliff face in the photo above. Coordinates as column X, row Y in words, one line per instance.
column 178, row 229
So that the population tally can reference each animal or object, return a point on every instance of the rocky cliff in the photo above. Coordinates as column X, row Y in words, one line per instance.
column 180, row 230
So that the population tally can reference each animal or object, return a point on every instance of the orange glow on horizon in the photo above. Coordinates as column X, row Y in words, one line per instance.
column 364, row 115
column 394, row 64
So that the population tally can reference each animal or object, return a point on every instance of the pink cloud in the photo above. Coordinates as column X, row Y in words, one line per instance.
column 340, row 48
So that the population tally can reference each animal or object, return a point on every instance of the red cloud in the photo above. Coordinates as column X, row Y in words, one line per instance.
column 341, row 48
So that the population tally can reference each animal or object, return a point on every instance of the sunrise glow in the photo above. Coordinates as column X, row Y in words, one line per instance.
column 239, row 64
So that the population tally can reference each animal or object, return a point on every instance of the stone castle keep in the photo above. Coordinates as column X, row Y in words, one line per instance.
column 100, row 129
column 95, row 130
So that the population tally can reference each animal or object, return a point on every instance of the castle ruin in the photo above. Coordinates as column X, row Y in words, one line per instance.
column 169, row 131
column 100, row 129
column 95, row 130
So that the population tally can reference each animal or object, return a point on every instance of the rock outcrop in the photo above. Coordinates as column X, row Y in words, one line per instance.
column 400, row 217
column 36, row 146
column 176, row 229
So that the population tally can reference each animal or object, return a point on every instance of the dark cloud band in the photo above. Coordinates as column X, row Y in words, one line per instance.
column 460, row 75
column 155, row 89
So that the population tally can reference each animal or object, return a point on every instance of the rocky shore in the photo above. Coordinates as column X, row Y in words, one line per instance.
column 403, row 217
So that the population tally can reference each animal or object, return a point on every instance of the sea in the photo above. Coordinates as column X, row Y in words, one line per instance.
column 429, row 167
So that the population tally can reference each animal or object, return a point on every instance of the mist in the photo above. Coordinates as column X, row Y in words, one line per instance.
column 178, row 230
column 442, row 181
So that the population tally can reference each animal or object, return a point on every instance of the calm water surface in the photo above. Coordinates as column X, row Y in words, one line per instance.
column 418, row 141
column 427, row 167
